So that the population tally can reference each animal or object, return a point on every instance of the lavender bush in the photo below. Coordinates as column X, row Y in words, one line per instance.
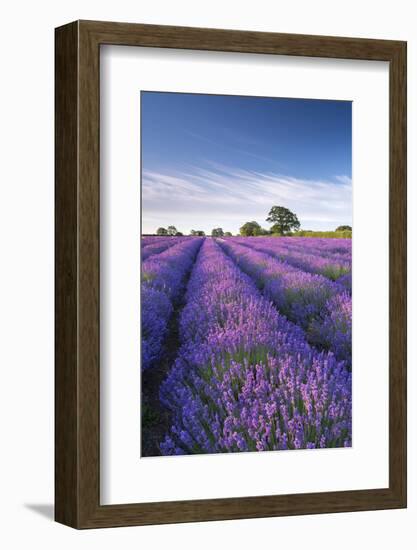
column 159, row 246
column 245, row 377
column 303, row 297
column 303, row 257
column 162, row 285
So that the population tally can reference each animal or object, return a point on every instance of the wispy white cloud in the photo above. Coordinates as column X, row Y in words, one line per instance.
column 203, row 198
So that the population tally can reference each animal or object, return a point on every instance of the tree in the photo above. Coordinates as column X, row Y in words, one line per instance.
column 217, row 232
column 228, row 234
column 161, row 231
column 344, row 228
column 283, row 219
column 260, row 231
column 250, row 229
column 172, row 230
column 197, row 233
column 179, row 234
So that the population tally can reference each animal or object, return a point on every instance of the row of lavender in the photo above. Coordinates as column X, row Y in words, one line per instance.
column 338, row 247
column 152, row 239
column 322, row 307
column 245, row 377
column 163, row 276
column 158, row 245
column 334, row 261
column 145, row 241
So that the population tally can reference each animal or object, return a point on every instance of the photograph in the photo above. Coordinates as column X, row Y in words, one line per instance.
column 193, row 194
column 246, row 273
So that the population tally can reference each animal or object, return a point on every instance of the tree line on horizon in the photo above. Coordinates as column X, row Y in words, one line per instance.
column 284, row 223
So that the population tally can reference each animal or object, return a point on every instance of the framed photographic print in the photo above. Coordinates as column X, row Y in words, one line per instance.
column 230, row 274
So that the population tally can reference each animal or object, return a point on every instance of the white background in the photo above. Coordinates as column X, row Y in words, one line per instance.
column 126, row 478
column 26, row 217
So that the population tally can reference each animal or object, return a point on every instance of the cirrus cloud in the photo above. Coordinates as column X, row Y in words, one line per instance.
column 221, row 196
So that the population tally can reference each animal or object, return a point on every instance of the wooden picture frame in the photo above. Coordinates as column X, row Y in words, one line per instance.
column 77, row 405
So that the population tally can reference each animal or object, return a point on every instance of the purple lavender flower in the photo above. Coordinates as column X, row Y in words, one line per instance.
column 158, row 245
column 313, row 257
column 308, row 299
column 162, row 285
column 245, row 378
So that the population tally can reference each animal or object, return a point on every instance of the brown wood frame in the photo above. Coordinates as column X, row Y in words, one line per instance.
column 77, row 374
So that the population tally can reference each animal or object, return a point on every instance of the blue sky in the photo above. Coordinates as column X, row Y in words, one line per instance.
column 219, row 161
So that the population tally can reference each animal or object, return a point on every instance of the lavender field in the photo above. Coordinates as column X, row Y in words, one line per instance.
column 246, row 344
